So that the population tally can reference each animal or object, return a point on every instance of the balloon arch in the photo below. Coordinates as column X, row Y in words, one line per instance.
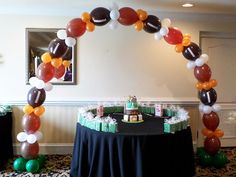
column 56, row 61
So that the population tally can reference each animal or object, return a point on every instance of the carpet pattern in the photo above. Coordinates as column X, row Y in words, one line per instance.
column 59, row 166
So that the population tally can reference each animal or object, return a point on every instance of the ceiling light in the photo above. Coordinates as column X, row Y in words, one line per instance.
column 187, row 5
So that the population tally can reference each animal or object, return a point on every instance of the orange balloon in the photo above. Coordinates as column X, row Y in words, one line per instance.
column 179, row 48
column 90, row 26
column 219, row 133
column 56, row 62
column 206, row 132
column 138, row 25
column 66, row 63
column 199, row 86
column 187, row 35
column 206, row 86
column 86, row 17
column 186, row 41
column 213, row 82
column 46, row 57
column 27, row 109
column 39, row 110
column 142, row 15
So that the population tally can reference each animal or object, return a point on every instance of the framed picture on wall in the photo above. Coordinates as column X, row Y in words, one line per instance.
column 37, row 41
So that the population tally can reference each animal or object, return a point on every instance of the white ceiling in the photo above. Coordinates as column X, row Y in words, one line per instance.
column 70, row 7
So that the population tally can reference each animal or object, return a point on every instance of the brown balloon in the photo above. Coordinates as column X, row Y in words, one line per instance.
column 100, row 16
column 202, row 73
column 36, row 97
column 152, row 24
column 192, row 51
column 29, row 151
column 211, row 121
column 208, row 97
column 30, row 123
column 57, row 48
column 128, row 16
column 68, row 54
column 212, row 145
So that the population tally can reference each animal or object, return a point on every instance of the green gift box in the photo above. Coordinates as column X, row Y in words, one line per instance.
column 105, row 127
column 98, row 125
column 152, row 111
column 113, row 127
column 169, row 128
column 185, row 124
column 178, row 126
column 93, row 124
column 173, row 113
column 87, row 123
column 119, row 109
column 168, row 112
column 82, row 120
column 148, row 109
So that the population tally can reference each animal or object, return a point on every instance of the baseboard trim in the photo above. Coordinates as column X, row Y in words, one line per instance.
column 49, row 148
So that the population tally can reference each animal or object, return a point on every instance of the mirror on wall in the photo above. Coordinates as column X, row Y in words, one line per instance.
column 37, row 42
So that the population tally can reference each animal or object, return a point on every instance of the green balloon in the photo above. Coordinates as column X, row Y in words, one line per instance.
column 205, row 159
column 201, row 151
column 41, row 160
column 219, row 160
column 19, row 164
column 32, row 166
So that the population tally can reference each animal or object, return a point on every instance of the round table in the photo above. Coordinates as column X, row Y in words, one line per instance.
column 137, row 150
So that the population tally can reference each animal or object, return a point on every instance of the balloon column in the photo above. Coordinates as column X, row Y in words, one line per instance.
column 56, row 61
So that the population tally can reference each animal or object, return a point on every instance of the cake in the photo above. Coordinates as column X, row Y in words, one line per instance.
column 131, row 111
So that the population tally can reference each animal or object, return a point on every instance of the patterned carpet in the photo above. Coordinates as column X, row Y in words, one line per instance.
column 59, row 166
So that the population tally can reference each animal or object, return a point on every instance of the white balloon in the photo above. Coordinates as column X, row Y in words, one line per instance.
column 205, row 57
column 216, row 107
column 33, row 81
column 201, row 107
column 38, row 135
column 164, row 31
column 114, row 14
column 113, row 24
column 191, row 64
column 48, row 86
column 22, row 136
column 158, row 36
column 206, row 109
column 70, row 41
column 31, row 139
column 199, row 62
column 61, row 34
column 39, row 84
column 166, row 22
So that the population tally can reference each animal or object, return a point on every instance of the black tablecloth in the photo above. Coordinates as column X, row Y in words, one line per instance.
column 137, row 150
column 6, row 149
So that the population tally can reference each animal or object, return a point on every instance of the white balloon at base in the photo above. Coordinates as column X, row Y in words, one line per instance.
column 31, row 139
column 22, row 136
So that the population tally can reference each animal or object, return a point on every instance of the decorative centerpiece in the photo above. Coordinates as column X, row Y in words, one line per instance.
column 131, row 111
